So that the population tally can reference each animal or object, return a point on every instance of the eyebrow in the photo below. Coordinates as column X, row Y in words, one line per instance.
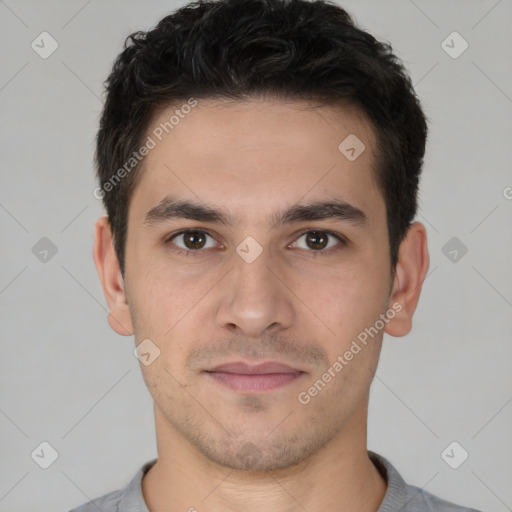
column 171, row 208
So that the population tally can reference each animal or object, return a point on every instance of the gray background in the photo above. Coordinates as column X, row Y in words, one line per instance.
column 67, row 379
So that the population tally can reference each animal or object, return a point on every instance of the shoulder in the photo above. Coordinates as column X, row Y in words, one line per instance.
column 107, row 503
column 419, row 500
column 129, row 497
column 408, row 498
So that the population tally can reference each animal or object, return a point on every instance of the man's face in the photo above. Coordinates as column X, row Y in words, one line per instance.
column 302, row 301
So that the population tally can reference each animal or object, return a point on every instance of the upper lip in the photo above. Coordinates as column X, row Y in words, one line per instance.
column 248, row 369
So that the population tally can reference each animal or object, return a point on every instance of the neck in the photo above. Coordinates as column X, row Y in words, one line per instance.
column 340, row 476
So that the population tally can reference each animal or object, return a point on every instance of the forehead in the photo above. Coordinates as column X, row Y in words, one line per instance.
column 251, row 156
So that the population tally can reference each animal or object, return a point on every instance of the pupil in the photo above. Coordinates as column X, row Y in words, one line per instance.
column 191, row 239
column 317, row 239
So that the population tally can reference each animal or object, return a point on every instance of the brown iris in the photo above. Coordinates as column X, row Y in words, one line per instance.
column 316, row 239
column 194, row 239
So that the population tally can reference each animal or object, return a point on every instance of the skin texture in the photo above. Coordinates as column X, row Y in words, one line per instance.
column 292, row 304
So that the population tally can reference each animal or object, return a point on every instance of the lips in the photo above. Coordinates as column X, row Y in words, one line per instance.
column 258, row 369
column 246, row 378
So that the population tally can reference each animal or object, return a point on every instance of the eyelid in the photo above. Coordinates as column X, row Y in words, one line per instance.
column 190, row 230
column 342, row 241
column 334, row 234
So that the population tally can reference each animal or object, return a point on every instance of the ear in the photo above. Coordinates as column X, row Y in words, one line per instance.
column 410, row 272
column 112, row 282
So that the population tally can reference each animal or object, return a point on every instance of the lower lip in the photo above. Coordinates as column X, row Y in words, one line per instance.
column 256, row 382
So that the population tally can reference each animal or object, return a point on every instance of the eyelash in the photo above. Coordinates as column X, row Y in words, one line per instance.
column 195, row 254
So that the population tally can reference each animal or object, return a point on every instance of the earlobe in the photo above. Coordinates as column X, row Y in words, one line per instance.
column 410, row 272
column 112, row 281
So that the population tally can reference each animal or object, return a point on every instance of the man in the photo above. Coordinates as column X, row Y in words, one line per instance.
column 259, row 163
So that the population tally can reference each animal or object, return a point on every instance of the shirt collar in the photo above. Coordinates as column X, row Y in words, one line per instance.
column 132, row 498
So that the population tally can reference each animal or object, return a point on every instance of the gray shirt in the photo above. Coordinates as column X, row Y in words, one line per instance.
column 399, row 497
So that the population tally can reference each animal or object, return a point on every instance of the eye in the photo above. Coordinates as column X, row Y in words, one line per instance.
column 321, row 241
column 192, row 240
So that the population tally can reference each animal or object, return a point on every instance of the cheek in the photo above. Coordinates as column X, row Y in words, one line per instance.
column 161, row 296
column 346, row 297
column 166, row 309
column 350, row 303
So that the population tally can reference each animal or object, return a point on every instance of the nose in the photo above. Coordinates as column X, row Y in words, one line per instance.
column 255, row 298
